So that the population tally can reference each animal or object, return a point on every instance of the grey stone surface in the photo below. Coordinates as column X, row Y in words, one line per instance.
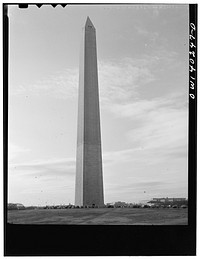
column 89, row 178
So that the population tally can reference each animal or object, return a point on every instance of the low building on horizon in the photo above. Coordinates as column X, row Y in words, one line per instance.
column 169, row 201
column 15, row 206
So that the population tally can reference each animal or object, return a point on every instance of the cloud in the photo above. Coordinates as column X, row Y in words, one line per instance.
column 45, row 181
column 137, row 186
column 122, row 81
column 44, row 168
column 160, row 121
column 15, row 151
column 139, row 190
column 140, row 107
column 154, row 154
column 118, row 80
column 159, row 137
column 151, row 36
column 62, row 84
column 163, row 128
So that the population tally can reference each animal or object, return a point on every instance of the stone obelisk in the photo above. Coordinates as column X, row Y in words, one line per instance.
column 89, row 178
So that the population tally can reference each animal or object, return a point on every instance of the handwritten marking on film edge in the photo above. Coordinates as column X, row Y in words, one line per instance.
column 192, row 55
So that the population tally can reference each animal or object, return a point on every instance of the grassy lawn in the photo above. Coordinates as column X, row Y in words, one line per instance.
column 102, row 216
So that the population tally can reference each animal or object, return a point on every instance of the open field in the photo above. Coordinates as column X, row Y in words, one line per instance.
column 102, row 216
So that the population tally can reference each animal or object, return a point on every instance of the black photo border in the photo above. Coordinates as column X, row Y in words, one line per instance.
column 106, row 240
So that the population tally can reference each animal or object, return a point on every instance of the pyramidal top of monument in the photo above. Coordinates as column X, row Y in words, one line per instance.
column 89, row 23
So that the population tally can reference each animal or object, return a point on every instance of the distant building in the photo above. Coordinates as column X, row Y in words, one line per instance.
column 120, row 204
column 15, row 206
column 110, row 203
column 169, row 201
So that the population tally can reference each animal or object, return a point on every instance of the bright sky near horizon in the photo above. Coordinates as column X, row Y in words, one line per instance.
column 143, row 83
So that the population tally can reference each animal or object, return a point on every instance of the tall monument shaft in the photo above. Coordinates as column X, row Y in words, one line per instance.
column 89, row 178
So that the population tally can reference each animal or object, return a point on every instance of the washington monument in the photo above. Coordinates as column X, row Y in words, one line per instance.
column 89, row 178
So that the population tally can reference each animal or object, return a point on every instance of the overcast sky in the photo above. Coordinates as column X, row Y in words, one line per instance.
column 143, row 84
